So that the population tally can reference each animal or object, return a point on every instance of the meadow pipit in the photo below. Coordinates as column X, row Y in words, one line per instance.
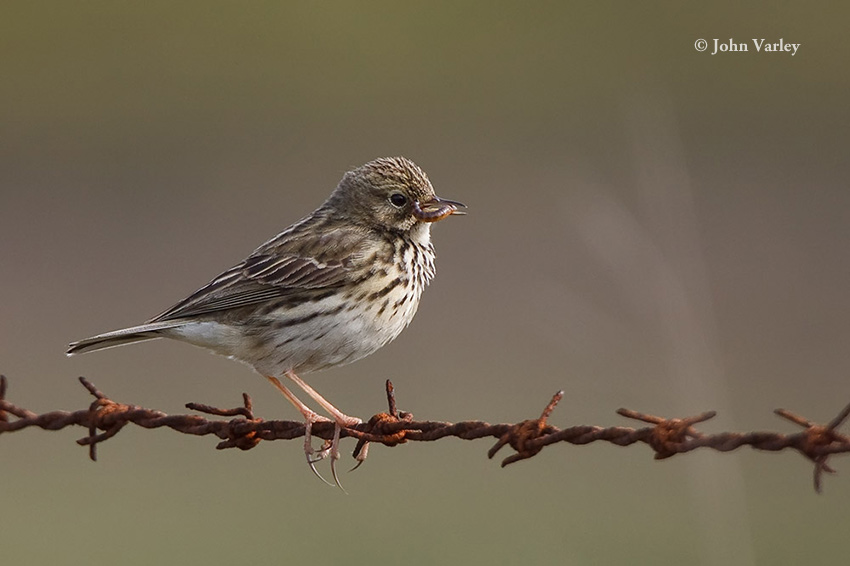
column 329, row 290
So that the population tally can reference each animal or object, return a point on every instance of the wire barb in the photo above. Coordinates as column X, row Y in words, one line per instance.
column 381, row 427
column 240, row 437
column 521, row 435
column 816, row 437
column 666, row 436
column 669, row 434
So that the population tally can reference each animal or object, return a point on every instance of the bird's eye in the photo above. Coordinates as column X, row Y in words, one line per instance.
column 398, row 200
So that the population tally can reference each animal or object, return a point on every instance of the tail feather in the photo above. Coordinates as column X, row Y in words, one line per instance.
column 120, row 337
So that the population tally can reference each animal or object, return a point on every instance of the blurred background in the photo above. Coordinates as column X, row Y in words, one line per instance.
column 649, row 226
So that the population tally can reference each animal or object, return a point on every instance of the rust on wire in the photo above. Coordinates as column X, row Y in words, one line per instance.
column 669, row 435
column 818, row 436
column 520, row 435
column 381, row 428
column 666, row 436
column 238, row 437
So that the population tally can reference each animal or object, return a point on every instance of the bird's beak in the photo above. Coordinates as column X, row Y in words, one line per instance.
column 436, row 209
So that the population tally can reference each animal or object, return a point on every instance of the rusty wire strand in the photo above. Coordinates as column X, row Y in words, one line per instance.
column 667, row 437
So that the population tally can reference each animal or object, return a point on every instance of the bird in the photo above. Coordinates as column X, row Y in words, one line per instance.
column 330, row 289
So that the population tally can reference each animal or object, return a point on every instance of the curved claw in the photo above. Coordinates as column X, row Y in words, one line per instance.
column 312, row 464
column 360, row 456
column 322, row 452
column 335, row 456
column 309, row 452
column 336, row 479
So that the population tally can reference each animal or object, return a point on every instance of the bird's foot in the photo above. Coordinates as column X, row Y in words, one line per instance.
column 341, row 421
column 311, row 453
column 360, row 453
column 329, row 447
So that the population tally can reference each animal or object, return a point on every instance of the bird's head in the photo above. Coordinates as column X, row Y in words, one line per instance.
column 392, row 192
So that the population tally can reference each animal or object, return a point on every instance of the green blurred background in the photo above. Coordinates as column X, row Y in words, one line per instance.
column 650, row 227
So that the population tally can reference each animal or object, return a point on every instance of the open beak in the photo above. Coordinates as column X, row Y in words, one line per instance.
column 436, row 209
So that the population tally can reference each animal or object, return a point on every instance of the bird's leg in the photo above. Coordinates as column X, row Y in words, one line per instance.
column 340, row 419
column 310, row 417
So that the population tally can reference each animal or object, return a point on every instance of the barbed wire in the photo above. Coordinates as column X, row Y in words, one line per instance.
column 666, row 437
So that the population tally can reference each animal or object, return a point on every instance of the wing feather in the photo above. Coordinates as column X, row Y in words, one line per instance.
column 275, row 269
